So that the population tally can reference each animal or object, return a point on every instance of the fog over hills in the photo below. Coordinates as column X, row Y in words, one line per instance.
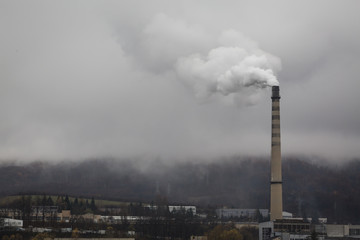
column 310, row 189
column 183, row 79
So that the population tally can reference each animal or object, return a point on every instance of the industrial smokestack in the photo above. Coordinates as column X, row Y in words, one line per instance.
column 276, row 206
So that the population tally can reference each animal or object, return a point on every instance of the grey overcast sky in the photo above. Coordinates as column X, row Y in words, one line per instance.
column 133, row 78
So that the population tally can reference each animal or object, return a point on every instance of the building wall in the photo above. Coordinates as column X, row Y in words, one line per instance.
column 336, row 230
column 266, row 230
column 179, row 208
column 198, row 238
column 240, row 212
column 286, row 229
column 8, row 222
column 354, row 230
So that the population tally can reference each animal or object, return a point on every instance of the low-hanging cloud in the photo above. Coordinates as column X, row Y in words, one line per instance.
column 113, row 79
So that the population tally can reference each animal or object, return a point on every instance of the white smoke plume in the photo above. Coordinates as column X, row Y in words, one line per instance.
column 238, row 67
column 231, row 66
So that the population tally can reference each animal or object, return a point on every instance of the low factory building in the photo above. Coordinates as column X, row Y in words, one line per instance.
column 285, row 229
column 241, row 213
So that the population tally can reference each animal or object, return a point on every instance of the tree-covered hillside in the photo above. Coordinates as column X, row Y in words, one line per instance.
column 310, row 189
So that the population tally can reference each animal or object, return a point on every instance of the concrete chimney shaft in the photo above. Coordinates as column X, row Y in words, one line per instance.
column 276, row 206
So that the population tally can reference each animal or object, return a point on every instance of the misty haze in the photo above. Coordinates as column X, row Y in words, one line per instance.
column 153, row 104
column 98, row 79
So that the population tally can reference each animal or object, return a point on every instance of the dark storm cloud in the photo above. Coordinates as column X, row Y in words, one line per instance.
column 88, row 78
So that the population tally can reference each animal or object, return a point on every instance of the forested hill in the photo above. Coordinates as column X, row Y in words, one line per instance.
column 309, row 189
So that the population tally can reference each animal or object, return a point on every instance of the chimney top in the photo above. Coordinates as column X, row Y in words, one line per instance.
column 275, row 92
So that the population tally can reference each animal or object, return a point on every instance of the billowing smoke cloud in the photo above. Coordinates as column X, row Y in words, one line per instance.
column 229, row 65
column 237, row 67
column 158, row 44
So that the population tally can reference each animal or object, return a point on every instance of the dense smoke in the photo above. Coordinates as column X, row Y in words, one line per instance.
column 226, row 62
column 237, row 67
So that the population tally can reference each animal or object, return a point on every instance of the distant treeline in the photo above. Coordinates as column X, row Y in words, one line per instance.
column 310, row 189
column 25, row 203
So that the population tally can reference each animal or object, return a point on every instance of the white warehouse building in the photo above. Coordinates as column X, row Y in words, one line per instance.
column 10, row 223
column 241, row 212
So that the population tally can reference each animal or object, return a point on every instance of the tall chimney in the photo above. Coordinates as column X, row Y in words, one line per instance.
column 276, row 206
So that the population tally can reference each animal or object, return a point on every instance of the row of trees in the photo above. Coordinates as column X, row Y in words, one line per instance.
column 28, row 206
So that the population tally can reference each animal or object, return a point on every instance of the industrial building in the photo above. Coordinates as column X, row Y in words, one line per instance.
column 185, row 209
column 9, row 223
column 285, row 229
column 338, row 231
column 241, row 213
